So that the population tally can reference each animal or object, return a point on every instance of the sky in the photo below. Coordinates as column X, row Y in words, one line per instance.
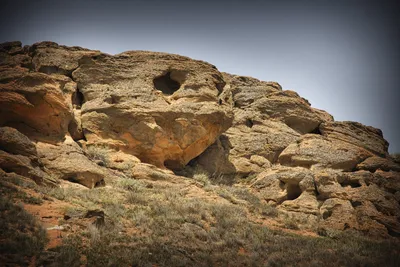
column 343, row 55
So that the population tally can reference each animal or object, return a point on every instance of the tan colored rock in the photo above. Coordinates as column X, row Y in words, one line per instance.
column 356, row 134
column 306, row 203
column 388, row 181
column 318, row 150
column 49, row 57
column 12, row 141
column 293, row 110
column 167, row 127
column 266, row 121
column 279, row 184
column 338, row 214
column 23, row 166
column 67, row 161
column 18, row 155
column 377, row 163
column 34, row 104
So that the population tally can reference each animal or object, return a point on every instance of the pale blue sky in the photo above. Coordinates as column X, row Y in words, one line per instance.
column 343, row 56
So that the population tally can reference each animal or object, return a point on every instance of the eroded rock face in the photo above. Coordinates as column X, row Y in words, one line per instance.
column 315, row 150
column 357, row 134
column 161, row 108
column 67, row 161
column 18, row 155
column 266, row 121
column 80, row 115
column 335, row 199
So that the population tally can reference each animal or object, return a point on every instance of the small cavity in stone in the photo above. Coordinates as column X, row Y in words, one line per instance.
column 166, row 84
column 77, row 99
column 293, row 191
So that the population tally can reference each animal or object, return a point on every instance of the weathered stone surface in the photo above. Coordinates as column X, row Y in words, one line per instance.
column 318, row 150
column 375, row 163
column 306, row 203
column 356, row 134
column 34, row 104
column 67, row 161
column 23, row 166
column 12, row 55
column 91, row 115
column 338, row 214
column 339, row 200
column 279, row 184
column 166, row 127
column 290, row 108
column 18, row 155
column 14, row 142
column 266, row 121
column 49, row 57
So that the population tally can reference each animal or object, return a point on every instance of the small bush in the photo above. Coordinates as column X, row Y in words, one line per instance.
column 98, row 153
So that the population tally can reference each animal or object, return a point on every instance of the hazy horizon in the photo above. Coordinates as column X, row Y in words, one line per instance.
column 343, row 56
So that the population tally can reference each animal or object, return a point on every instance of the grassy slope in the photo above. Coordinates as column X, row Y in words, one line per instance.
column 178, row 223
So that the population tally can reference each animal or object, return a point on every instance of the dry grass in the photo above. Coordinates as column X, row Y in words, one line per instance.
column 151, row 223
column 22, row 237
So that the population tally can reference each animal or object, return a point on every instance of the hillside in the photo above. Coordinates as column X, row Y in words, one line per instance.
column 153, row 159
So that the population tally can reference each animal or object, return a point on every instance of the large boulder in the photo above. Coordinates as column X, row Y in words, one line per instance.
column 12, row 141
column 67, row 161
column 355, row 133
column 375, row 163
column 161, row 108
column 34, row 103
column 18, row 155
column 312, row 149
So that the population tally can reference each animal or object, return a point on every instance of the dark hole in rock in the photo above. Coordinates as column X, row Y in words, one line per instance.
column 249, row 123
column 327, row 214
column 72, row 179
column 100, row 183
column 355, row 203
column 316, row 131
column 172, row 164
column 391, row 232
column 165, row 84
column 77, row 99
column 193, row 162
column 352, row 184
column 282, row 185
column 49, row 69
column 293, row 191
column 346, row 226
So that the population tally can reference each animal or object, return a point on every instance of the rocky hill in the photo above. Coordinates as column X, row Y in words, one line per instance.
column 145, row 142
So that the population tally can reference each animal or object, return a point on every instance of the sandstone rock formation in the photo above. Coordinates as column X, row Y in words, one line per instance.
column 80, row 115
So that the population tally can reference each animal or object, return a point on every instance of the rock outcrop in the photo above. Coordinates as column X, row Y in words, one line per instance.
column 80, row 115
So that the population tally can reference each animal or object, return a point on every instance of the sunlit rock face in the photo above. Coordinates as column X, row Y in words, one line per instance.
column 161, row 108
column 84, row 116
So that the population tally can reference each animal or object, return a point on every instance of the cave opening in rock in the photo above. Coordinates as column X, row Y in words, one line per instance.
column 316, row 131
column 173, row 165
column 100, row 183
column 166, row 84
column 293, row 191
column 77, row 99
column 249, row 123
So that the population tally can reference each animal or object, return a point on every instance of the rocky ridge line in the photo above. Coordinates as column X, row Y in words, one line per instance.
column 81, row 115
